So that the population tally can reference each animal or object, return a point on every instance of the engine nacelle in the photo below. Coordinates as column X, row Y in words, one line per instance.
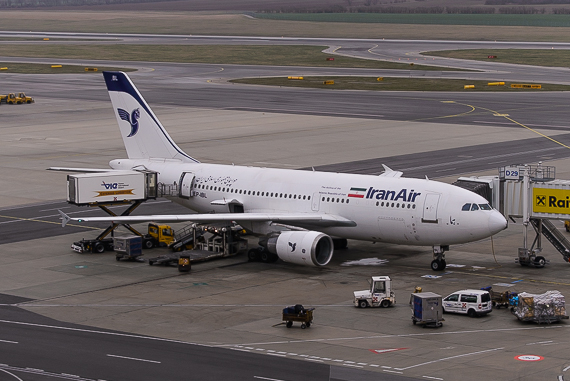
column 307, row 248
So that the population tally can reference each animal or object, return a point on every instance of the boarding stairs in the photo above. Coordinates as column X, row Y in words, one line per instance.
column 553, row 235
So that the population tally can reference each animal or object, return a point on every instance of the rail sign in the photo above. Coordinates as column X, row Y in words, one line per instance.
column 548, row 200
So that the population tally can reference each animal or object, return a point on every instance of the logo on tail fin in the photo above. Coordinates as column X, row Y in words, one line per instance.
column 131, row 118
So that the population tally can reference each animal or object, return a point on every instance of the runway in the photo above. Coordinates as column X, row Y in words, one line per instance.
column 92, row 318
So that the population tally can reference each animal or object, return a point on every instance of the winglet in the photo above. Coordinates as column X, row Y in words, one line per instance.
column 64, row 218
column 389, row 172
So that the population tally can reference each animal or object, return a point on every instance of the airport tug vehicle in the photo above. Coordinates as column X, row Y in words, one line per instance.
column 380, row 294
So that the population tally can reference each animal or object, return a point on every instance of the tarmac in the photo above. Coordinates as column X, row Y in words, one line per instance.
column 233, row 303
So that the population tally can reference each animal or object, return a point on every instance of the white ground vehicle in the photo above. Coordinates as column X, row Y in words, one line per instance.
column 470, row 302
column 380, row 293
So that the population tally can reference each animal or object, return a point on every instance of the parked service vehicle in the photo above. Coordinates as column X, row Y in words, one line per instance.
column 470, row 302
column 25, row 98
column 14, row 99
column 380, row 293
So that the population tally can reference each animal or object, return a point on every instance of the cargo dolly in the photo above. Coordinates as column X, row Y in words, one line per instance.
column 299, row 314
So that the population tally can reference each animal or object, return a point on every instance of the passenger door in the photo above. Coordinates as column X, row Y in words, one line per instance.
column 451, row 303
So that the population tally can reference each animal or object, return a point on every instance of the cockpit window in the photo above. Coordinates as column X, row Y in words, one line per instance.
column 485, row 206
column 474, row 207
column 466, row 207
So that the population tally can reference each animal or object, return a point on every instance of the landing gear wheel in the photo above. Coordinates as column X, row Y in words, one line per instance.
column 289, row 324
column 253, row 255
column 265, row 256
column 362, row 303
column 438, row 265
column 539, row 262
column 385, row 303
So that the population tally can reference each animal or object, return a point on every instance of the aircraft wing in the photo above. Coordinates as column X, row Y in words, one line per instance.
column 323, row 220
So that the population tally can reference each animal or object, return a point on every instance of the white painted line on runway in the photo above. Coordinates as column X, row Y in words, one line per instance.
column 103, row 333
column 134, row 358
column 47, row 210
column 392, row 371
column 449, row 358
column 565, row 369
column 432, row 378
column 275, row 354
column 9, row 342
column 354, row 366
column 540, row 342
column 239, row 349
column 11, row 374
column 268, row 379
column 402, row 335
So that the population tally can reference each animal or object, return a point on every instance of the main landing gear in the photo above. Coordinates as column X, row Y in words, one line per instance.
column 438, row 263
column 261, row 254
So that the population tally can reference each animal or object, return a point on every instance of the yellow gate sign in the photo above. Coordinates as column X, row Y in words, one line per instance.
column 547, row 200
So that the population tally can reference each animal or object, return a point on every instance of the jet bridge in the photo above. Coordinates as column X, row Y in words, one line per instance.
column 530, row 192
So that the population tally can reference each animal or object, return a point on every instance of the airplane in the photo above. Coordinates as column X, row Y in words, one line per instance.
column 299, row 215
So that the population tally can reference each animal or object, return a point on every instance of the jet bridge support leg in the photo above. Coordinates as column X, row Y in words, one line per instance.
column 438, row 263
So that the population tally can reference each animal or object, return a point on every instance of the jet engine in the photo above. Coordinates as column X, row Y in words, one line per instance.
column 307, row 248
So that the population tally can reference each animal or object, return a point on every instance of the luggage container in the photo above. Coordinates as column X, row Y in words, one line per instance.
column 129, row 248
column 427, row 309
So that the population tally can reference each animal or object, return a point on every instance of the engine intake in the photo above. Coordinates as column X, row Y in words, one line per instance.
column 307, row 248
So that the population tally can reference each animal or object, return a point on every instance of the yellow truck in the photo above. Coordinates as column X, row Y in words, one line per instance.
column 16, row 99
column 159, row 235
column 25, row 98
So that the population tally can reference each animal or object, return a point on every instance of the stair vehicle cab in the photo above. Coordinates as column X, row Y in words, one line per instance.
column 470, row 302
column 380, row 293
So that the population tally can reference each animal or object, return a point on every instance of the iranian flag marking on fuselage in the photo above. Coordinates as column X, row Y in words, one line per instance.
column 357, row 192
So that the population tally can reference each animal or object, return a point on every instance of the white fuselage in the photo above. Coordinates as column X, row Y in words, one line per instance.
column 385, row 209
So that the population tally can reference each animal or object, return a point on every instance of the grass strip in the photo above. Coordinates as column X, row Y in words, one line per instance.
column 537, row 57
column 32, row 68
column 536, row 20
column 276, row 55
column 391, row 84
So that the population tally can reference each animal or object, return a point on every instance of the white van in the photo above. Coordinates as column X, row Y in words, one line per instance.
column 470, row 302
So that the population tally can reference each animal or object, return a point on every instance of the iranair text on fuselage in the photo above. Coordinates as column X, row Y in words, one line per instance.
column 547, row 200
column 404, row 195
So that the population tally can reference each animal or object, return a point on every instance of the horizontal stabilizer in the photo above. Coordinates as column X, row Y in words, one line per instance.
column 86, row 170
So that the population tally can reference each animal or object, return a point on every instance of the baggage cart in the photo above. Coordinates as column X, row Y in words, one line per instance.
column 298, row 313
column 427, row 309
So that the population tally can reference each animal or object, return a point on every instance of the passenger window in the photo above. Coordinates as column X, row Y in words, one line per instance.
column 452, row 298
column 485, row 207
column 466, row 207
column 469, row 298
column 474, row 207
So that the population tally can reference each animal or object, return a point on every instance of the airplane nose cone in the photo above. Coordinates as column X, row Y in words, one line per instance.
column 497, row 222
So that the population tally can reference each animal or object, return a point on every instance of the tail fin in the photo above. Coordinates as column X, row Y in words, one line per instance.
column 142, row 133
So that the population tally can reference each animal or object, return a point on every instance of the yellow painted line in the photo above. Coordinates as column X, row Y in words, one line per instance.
column 500, row 114
column 473, row 108
column 511, row 278
column 48, row 222
column 528, row 128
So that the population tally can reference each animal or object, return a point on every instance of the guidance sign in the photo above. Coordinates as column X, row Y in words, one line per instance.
column 547, row 200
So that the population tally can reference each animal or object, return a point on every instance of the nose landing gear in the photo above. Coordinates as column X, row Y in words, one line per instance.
column 438, row 263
